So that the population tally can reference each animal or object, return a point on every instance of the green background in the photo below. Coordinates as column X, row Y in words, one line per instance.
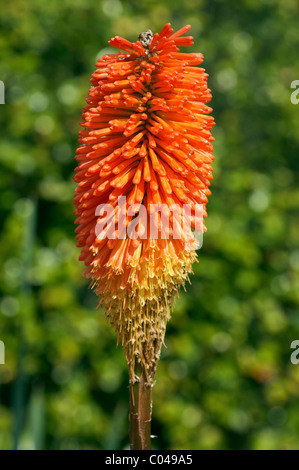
column 225, row 380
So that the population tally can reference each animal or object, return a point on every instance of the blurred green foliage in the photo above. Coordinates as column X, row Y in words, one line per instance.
column 225, row 380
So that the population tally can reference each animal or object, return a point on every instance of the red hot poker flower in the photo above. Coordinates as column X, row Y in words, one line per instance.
column 146, row 138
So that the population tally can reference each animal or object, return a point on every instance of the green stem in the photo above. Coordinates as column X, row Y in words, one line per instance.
column 19, row 387
column 140, row 412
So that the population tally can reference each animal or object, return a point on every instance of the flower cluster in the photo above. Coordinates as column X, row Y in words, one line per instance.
column 146, row 137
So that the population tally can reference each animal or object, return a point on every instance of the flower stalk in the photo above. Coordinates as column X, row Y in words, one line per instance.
column 140, row 412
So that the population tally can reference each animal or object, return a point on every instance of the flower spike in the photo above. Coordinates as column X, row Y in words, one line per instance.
column 146, row 144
